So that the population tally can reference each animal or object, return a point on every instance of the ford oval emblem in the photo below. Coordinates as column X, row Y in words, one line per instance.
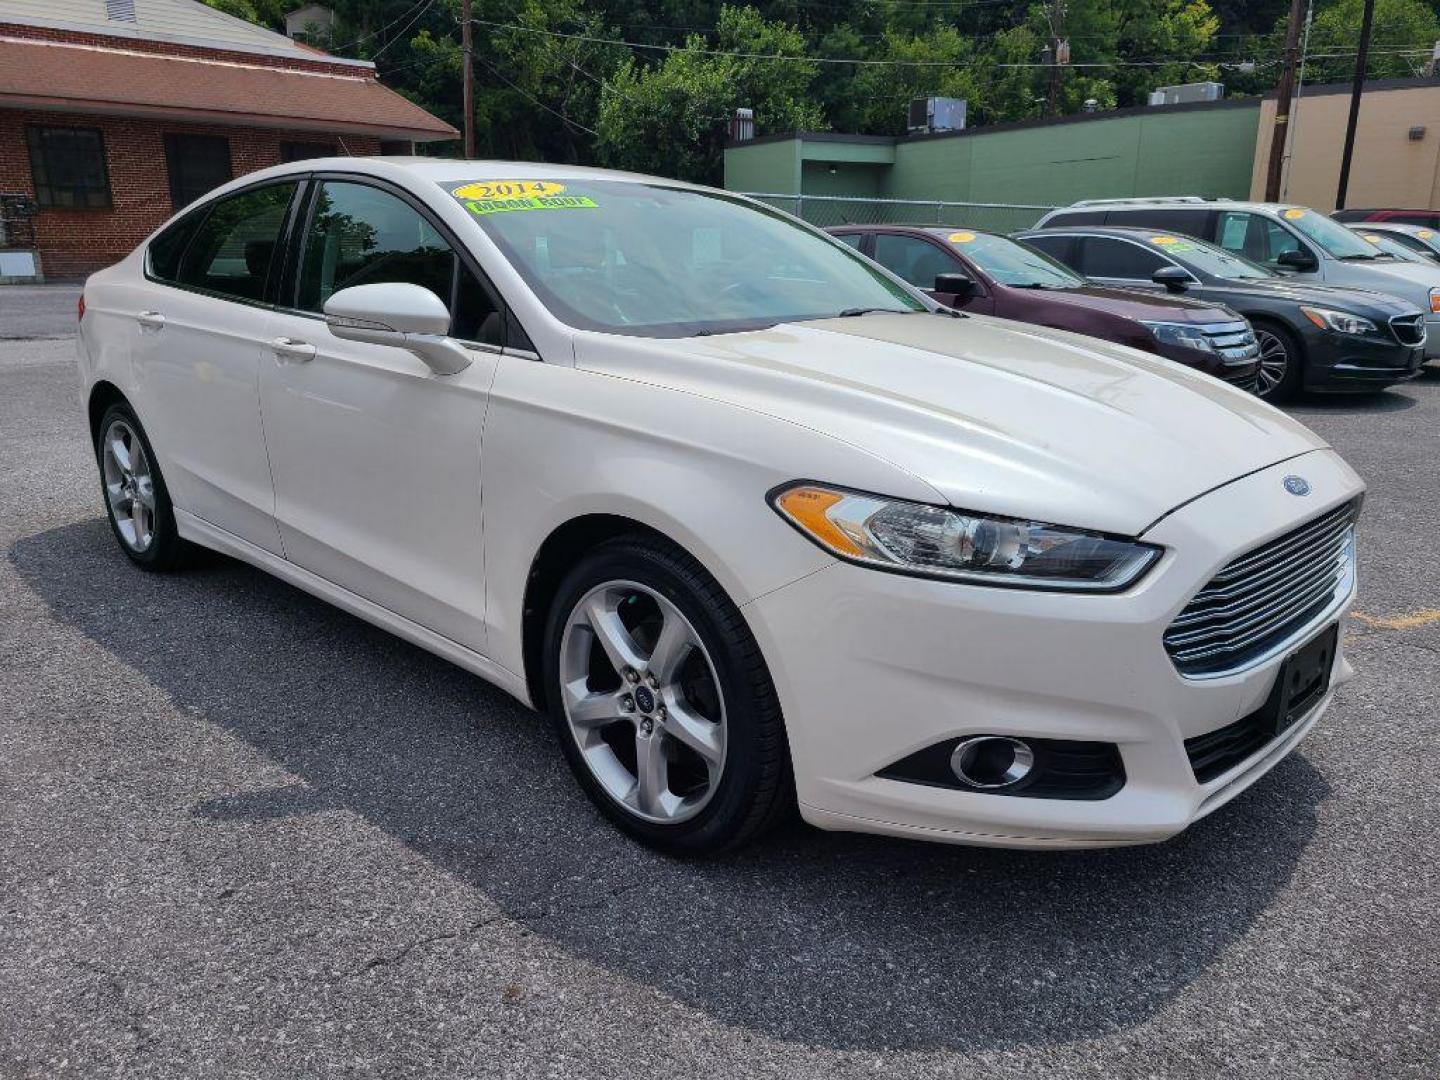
column 1297, row 485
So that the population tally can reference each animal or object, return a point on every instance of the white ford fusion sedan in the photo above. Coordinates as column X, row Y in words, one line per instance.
column 755, row 524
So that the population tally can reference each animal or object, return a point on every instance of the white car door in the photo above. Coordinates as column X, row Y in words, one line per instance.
column 376, row 460
column 199, row 334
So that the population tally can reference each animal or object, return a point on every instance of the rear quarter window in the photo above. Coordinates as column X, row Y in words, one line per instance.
column 166, row 250
column 1075, row 217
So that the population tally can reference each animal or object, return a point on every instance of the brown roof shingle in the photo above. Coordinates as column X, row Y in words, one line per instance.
column 41, row 74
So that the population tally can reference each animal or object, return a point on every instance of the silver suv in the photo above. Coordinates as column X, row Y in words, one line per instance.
column 1293, row 239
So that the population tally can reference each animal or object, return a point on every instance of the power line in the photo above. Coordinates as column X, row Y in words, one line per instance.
column 859, row 61
column 532, row 98
column 400, row 34
column 375, row 33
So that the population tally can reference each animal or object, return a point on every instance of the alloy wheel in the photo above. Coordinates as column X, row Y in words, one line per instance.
column 129, row 485
column 642, row 702
column 1274, row 360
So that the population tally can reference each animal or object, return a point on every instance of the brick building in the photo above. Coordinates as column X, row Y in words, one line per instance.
column 116, row 113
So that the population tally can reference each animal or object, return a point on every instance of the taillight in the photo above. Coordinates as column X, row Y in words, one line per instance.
column 80, row 308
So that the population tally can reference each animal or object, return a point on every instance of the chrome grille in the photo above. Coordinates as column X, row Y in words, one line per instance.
column 1408, row 329
column 1259, row 600
column 1235, row 341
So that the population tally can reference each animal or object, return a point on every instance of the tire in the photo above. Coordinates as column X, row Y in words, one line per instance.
column 695, row 761
column 136, row 499
column 1279, row 385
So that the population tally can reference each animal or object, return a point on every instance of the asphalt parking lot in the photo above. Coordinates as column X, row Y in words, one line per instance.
column 243, row 834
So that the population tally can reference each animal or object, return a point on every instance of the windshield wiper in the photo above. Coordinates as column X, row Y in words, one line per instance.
column 1359, row 258
column 851, row 312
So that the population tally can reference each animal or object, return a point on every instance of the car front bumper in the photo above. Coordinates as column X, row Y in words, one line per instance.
column 872, row 667
column 1349, row 362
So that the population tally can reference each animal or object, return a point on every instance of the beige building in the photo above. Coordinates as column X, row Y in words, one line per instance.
column 1397, row 146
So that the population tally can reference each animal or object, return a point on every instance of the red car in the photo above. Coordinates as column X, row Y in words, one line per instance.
column 991, row 274
column 1429, row 219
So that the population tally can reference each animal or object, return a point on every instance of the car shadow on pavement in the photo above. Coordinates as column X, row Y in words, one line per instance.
column 825, row 939
column 1391, row 400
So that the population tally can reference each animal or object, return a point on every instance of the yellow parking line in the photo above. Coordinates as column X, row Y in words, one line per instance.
column 1412, row 621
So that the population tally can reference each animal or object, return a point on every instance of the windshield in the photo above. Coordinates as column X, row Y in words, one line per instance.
column 1335, row 238
column 1207, row 259
column 656, row 261
column 1012, row 263
column 1391, row 246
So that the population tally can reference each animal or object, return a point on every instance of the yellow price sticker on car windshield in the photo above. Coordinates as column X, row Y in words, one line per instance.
column 1164, row 241
column 1372, row 238
column 1294, row 213
column 501, row 196
column 1424, row 234
column 961, row 237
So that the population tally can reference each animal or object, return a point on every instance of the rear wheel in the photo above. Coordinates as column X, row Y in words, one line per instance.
column 662, row 702
column 136, row 499
column 1281, row 362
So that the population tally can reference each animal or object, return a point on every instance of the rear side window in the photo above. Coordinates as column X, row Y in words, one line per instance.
column 232, row 250
column 167, row 248
column 1076, row 217
column 917, row 261
column 1106, row 257
column 1057, row 247
column 1164, row 219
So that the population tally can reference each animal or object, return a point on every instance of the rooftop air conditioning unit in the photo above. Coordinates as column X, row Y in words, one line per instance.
column 931, row 114
column 1187, row 92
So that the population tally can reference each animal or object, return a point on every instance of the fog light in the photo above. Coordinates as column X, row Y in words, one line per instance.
column 992, row 761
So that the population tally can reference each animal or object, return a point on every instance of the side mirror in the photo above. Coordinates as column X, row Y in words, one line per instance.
column 1174, row 278
column 400, row 314
column 961, row 286
column 1297, row 260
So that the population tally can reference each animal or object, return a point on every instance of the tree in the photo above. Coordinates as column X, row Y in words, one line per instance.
column 672, row 119
column 1401, row 38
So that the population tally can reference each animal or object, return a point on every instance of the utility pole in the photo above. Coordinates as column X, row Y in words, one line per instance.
column 467, row 47
column 1361, row 59
column 1057, row 27
column 1282, row 101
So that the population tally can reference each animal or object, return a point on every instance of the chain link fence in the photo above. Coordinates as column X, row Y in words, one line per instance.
column 824, row 210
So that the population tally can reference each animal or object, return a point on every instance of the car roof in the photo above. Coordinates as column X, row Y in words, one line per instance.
column 1123, row 232
column 933, row 230
column 1176, row 202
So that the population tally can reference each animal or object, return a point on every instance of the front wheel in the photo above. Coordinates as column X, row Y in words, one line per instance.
column 662, row 702
column 1281, row 363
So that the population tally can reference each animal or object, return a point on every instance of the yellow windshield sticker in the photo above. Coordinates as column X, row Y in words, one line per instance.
column 1294, row 213
column 503, row 190
column 1372, row 238
column 1164, row 241
column 1424, row 234
column 501, row 196
column 961, row 237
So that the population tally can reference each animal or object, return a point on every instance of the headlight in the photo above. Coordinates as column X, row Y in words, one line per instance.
column 1182, row 334
column 932, row 541
column 1342, row 322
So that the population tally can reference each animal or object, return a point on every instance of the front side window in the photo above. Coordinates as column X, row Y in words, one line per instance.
column 1014, row 264
column 916, row 260
column 360, row 235
column 196, row 164
column 234, row 248
column 1255, row 236
column 1106, row 257
column 656, row 261
column 854, row 239
column 67, row 165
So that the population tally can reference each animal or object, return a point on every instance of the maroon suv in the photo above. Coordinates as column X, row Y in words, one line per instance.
column 991, row 274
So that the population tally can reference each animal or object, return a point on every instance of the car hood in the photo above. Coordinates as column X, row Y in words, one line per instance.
column 1132, row 304
column 995, row 416
column 1410, row 279
column 1355, row 300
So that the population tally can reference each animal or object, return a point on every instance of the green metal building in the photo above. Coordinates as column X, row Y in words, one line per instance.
column 1203, row 148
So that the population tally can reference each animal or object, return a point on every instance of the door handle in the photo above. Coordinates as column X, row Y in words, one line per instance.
column 151, row 320
column 290, row 351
